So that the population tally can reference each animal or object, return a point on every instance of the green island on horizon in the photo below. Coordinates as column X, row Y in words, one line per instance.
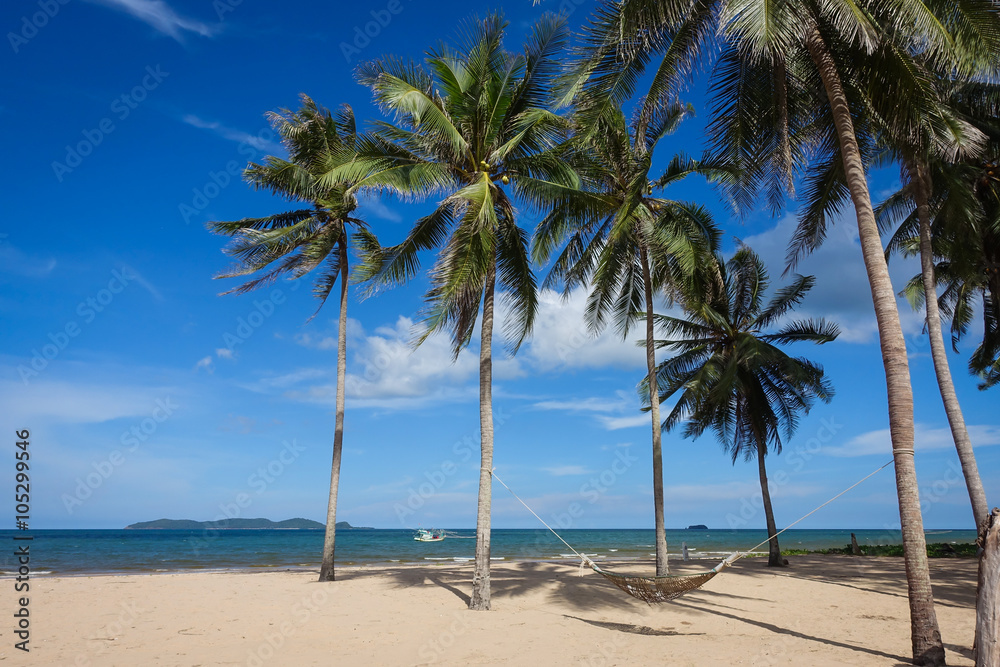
column 239, row 524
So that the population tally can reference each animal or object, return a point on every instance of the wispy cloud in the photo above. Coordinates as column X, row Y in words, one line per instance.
column 879, row 442
column 582, row 405
column 14, row 261
column 78, row 403
column 380, row 210
column 232, row 134
column 563, row 471
column 611, row 413
column 616, row 423
column 160, row 16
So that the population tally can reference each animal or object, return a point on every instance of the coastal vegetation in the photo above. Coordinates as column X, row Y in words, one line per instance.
column 232, row 524
column 934, row 550
column 804, row 98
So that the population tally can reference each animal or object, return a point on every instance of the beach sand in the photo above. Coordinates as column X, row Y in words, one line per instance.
column 823, row 610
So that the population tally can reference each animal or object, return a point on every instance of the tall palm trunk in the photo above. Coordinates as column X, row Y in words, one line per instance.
column 774, row 558
column 925, row 636
column 920, row 182
column 329, row 540
column 662, row 567
column 480, row 600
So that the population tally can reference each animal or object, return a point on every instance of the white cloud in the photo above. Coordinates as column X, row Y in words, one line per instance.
column 375, row 207
column 77, row 403
column 561, row 340
column 841, row 293
column 732, row 491
column 584, row 405
column 562, row 471
column 224, row 353
column 385, row 371
column 161, row 16
column 232, row 134
column 616, row 423
column 612, row 413
column 16, row 262
column 204, row 362
column 925, row 439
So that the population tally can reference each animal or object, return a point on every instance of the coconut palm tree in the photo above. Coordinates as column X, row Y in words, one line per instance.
column 964, row 205
column 969, row 267
column 922, row 158
column 632, row 246
column 732, row 377
column 796, row 78
column 472, row 125
column 306, row 240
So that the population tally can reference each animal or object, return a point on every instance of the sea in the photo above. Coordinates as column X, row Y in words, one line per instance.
column 87, row 552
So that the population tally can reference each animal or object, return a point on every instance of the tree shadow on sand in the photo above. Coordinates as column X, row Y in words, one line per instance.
column 792, row 633
column 632, row 628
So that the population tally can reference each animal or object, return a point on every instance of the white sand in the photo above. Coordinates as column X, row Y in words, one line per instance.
column 823, row 610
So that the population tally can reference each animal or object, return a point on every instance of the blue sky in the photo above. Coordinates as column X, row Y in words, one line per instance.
column 148, row 395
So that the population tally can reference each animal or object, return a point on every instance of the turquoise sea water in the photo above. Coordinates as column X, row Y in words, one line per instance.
column 59, row 552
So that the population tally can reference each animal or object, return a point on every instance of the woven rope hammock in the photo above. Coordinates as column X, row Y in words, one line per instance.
column 669, row 587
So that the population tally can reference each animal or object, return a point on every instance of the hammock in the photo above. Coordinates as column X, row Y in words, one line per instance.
column 669, row 587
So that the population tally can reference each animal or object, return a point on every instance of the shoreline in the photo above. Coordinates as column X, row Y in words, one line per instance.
column 707, row 559
column 821, row 610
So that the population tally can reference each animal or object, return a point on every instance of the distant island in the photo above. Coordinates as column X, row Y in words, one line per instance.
column 238, row 524
column 698, row 526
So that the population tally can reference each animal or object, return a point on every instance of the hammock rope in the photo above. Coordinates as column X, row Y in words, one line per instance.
column 669, row 587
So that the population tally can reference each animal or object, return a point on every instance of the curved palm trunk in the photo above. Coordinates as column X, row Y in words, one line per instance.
column 329, row 540
column 774, row 558
column 924, row 633
column 480, row 600
column 920, row 182
column 662, row 567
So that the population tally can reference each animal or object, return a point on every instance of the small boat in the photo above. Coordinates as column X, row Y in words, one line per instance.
column 428, row 535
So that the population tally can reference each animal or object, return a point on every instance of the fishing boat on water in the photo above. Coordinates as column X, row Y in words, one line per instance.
column 423, row 535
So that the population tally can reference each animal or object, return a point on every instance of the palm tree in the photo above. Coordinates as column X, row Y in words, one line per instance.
column 298, row 242
column 923, row 157
column 633, row 245
column 969, row 268
column 472, row 125
column 732, row 377
column 781, row 62
column 964, row 202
